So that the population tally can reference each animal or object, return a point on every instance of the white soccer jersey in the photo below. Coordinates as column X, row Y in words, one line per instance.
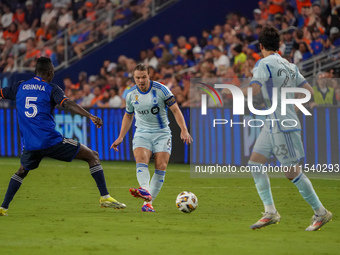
column 275, row 71
column 150, row 107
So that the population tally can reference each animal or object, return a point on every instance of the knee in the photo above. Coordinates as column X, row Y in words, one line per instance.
column 161, row 166
column 95, row 155
column 22, row 172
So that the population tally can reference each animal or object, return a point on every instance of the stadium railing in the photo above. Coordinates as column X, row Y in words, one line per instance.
column 155, row 7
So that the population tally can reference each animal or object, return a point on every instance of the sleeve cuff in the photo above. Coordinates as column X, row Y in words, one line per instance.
column 302, row 83
column 128, row 112
column 1, row 94
column 256, row 82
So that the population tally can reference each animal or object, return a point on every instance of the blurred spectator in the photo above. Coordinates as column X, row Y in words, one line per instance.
column 7, row 16
column 239, row 57
column 316, row 43
column 252, row 52
column 31, row 53
column 323, row 95
column 168, row 41
column 12, row 32
column 97, row 96
column 115, row 100
column 31, row 15
column 65, row 17
column 19, row 15
column 25, row 33
column 335, row 36
column 85, row 39
column 287, row 45
column 158, row 46
column 104, row 101
column 151, row 59
column 90, row 12
column 183, row 44
column 48, row 15
column 220, row 58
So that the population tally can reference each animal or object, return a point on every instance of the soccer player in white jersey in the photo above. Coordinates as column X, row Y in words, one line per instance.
column 148, row 101
column 284, row 142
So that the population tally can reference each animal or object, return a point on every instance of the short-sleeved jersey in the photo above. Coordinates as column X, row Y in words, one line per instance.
column 275, row 71
column 150, row 107
column 35, row 101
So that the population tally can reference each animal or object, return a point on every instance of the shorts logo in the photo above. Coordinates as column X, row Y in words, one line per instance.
column 155, row 110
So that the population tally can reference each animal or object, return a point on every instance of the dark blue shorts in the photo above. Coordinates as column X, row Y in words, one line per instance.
column 64, row 151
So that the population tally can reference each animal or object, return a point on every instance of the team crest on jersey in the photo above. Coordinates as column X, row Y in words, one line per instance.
column 155, row 100
column 136, row 99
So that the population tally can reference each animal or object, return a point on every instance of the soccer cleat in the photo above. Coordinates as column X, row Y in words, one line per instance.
column 267, row 219
column 3, row 211
column 111, row 203
column 318, row 221
column 148, row 208
column 142, row 193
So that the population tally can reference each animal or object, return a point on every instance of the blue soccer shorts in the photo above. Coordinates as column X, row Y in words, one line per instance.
column 64, row 151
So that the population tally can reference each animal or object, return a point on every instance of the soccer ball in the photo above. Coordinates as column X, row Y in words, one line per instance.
column 186, row 202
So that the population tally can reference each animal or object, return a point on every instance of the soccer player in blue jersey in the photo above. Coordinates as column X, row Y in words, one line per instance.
column 35, row 101
column 148, row 102
column 284, row 142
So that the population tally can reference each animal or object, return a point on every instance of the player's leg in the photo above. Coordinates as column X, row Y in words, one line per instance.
column 29, row 161
column 142, row 156
column 142, row 151
column 70, row 149
column 302, row 182
column 161, row 163
column 162, row 146
column 261, row 153
column 13, row 187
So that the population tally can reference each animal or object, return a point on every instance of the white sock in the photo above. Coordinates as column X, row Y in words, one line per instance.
column 308, row 193
column 156, row 183
column 143, row 176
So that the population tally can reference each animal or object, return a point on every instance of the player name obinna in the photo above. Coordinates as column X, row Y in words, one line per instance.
column 34, row 87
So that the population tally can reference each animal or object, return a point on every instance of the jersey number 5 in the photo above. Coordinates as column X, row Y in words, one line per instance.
column 30, row 105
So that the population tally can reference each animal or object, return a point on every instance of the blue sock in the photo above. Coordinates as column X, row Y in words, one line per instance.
column 308, row 193
column 98, row 175
column 156, row 183
column 143, row 176
column 263, row 186
column 13, row 187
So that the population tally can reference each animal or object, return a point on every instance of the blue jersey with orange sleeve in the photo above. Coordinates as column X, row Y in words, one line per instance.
column 35, row 101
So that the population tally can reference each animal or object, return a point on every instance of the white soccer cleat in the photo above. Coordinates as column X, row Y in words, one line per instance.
column 318, row 221
column 267, row 219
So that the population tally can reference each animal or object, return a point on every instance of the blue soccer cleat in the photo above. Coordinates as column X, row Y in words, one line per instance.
column 148, row 208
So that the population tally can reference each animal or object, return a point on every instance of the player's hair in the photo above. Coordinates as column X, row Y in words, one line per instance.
column 140, row 67
column 269, row 37
column 43, row 66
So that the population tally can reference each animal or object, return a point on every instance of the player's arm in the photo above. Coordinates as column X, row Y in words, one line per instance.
column 9, row 92
column 256, row 88
column 77, row 109
column 185, row 136
column 126, row 124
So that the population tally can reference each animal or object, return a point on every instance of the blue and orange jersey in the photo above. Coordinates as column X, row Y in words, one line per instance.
column 35, row 101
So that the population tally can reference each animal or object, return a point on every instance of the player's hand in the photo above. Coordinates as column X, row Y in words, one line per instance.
column 186, row 137
column 116, row 143
column 97, row 121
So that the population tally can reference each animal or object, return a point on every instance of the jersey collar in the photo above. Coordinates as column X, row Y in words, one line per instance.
column 151, row 82
column 39, row 78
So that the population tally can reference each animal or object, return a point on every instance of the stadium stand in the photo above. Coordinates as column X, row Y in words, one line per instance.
column 310, row 38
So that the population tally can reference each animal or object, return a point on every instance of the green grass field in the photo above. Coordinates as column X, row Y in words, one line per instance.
column 56, row 211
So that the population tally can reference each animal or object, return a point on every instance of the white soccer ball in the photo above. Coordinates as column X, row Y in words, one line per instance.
column 186, row 202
